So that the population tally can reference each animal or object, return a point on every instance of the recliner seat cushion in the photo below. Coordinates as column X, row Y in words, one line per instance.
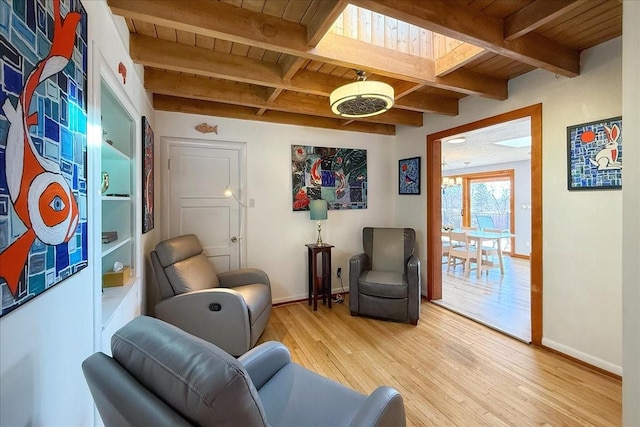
column 295, row 396
column 385, row 284
column 209, row 387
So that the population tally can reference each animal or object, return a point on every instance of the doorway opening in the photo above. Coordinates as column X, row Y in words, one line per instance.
column 472, row 181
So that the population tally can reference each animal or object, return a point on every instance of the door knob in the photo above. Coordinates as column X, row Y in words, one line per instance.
column 234, row 239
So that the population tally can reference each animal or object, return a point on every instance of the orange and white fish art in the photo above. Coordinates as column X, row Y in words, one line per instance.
column 40, row 194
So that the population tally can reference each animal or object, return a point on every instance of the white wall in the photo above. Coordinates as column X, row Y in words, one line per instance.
column 582, row 233
column 630, row 215
column 276, row 235
column 521, row 196
column 43, row 343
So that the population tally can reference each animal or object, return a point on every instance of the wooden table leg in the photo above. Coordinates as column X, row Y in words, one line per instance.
column 479, row 258
column 326, row 270
column 314, row 271
column 311, row 278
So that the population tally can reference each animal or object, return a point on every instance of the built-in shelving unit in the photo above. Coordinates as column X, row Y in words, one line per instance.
column 118, row 206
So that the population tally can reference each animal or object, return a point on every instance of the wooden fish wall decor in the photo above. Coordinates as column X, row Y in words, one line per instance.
column 206, row 128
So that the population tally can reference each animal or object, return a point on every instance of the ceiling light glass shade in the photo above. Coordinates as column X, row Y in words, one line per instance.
column 457, row 140
column 361, row 99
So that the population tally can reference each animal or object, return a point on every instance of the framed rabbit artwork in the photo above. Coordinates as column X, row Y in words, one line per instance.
column 594, row 155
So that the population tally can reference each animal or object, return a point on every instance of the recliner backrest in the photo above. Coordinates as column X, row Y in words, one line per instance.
column 184, row 265
column 195, row 378
column 388, row 249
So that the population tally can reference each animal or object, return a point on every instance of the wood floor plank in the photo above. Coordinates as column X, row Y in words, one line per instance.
column 450, row 371
column 499, row 300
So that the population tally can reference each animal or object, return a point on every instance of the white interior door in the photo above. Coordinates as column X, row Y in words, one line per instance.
column 197, row 178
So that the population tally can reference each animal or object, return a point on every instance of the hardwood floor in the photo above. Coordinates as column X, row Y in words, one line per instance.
column 500, row 301
column 449, row 369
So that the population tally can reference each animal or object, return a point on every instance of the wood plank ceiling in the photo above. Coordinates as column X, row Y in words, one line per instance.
column 278, row 60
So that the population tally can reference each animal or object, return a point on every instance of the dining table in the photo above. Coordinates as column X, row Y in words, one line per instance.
column 478, row 237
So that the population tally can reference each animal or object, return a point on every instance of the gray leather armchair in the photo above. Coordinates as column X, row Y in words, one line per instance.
column 162, row 376
column 230, row 310
column 384, row 281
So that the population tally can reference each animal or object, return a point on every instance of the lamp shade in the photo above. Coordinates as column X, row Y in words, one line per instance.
column 318, row 210
column 361, row 99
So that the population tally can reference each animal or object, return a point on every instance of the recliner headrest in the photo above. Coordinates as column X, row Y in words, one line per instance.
column 178, row 249
column 194, row 377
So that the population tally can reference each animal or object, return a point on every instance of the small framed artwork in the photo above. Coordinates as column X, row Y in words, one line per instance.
column 147, row 176
column 594, row 155
column 409, row 176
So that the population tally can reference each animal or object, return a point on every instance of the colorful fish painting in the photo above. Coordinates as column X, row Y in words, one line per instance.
column 337, row 175
column 40, row 193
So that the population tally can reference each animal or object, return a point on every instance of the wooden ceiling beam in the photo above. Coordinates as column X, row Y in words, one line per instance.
column 172, row 56
column 291, row 66
column 475, row 83
column 207, row 108
column 157, row 53
column 535, row 15
column 166, row 83
column 327, row 13
column 221, row 20
column 429, row 103
column 458, row 20
column 403, row 88
column 457, row 58
column 218, row 20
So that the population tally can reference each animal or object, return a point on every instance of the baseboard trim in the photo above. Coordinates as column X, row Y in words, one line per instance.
column 299, row 298
column 584, row 359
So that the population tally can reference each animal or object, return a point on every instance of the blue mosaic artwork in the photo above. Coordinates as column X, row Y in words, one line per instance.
column 337, row 175
column 594, row 155
column 409, row 176
column 43, row 146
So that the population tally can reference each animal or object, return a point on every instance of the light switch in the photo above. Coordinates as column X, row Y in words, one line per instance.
column 252, row 202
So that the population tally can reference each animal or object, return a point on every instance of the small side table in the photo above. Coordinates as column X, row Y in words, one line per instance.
column 319, row 283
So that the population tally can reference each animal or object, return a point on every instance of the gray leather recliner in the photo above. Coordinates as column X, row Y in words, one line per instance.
column 230, row 310
column 384, row 281
column 162, row 376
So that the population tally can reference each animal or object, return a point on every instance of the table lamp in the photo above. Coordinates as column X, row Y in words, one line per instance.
column 318, row 212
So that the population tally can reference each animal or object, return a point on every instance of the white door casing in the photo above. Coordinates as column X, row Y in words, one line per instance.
column 196, row 175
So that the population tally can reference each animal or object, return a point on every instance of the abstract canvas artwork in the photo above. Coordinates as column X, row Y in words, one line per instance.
column 594, row 155
column 337, row 175
column 43, row 147
column 147, row 176
column 409, row 176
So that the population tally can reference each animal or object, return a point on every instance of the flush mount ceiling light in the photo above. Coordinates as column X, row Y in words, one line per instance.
column 458, row 140
column 361, row 98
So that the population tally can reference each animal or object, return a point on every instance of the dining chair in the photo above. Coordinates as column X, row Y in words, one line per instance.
column 492, row 249
column 484, row 222
column 461, row 250
column 445, row 247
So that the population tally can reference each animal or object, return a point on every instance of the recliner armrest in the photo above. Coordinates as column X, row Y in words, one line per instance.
column 243, row 276
column 357, row 264
column 262, row 362
column 193, row 313
column 383, row 408
column 413, row 268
